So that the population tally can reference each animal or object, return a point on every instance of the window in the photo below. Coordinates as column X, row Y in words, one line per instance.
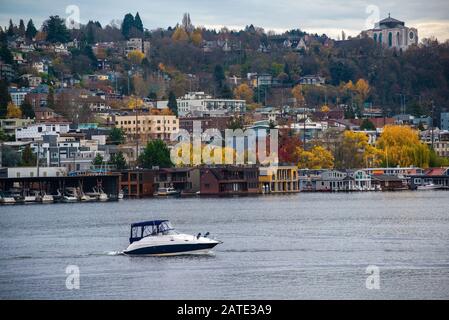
column 390, row 39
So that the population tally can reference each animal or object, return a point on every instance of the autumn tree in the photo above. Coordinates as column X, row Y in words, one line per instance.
column 297, row 93
column 196, row 37
column 13, row 111
column 317, row 158
column 244, row 92
column 180, row 35
column 136, row 57
column 354, row 151
column 401, row 147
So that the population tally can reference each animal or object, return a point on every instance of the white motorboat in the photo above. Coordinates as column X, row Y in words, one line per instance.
column 70, row 195
column 6, row 198
column 158, row 238
column 170, row 191
column 98, row 194
column 46, row 198
column 429, row 186
column 121, row 195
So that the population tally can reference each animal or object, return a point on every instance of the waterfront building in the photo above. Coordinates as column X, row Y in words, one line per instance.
column 394, row 171
column 186, row 180
column 437, row 176
column 279, row 179
column 362, row 180
column 389, row 183
column 146, row 126
column 334, row 180
column 137, row 183
column 392, row 33
column 229, row 180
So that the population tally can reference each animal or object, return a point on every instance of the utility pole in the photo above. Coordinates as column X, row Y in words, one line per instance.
column 433, row 108
column 37, row 158
column 137, row 134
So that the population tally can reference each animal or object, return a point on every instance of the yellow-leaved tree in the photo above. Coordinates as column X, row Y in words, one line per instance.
column 13, row 111
column 244, row 92
column 298, row 94
column 354, row 151
column 134, row 102
column 317, row 158
column 197, row 37
column 180, row 35
column 401, row 147
column 136, row 56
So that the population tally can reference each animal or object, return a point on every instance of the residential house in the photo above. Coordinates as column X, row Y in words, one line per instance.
column 137, row 183
column 279, row 179
column 229, row 180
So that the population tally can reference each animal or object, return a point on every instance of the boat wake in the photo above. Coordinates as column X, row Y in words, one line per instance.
column 114, row 253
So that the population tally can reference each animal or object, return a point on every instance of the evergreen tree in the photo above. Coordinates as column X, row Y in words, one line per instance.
column 51, row 98
column 90, row 37
column 219, row 75
column 21, row 28
column 98, row 160
column 138, row 22
column 5, row 98
column 127, row 25
column 28, row 157
column 27, row 110
column 5, row 54
column 119, row 161
column 31, row 30
column 172, row 103
column 156, row 153
column 367, row 125
column 10, row 29
column 117, row 136
column 56, row 30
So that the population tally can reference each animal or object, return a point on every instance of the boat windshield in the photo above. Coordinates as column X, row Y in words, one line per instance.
column 151, row 230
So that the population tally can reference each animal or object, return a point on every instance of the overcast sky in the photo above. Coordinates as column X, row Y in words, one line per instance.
column 431, row 17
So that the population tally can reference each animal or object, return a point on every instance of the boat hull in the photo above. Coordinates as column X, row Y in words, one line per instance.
column 172, row 250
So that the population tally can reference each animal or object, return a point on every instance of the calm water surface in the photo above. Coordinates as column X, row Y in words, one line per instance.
column 302, row 246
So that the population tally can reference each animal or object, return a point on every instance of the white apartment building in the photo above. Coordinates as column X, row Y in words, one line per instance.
column 36, row 131
column 198, row 103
